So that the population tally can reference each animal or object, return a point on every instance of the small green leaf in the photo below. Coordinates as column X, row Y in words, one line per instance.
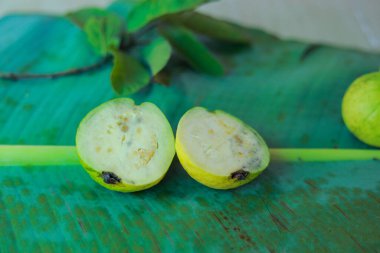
column 128, row 75
column 156, row 54
column 104, row 33
column 80, row 17
column 211, row 27
column 194, row 52
column 149, row 10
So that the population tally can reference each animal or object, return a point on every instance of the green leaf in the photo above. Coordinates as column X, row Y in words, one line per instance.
column 80, row 17
column 149, row 10
column 156, row 54
column 123, row 7
column 128, row 75
column 104, row 33
column 211, row 27
column 194, row 52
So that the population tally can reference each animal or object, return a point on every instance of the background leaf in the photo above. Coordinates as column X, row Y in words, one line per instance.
column 156, row 54
column 128, row 75
column 123, row 7
column 211, row 27
column 149, row 10
column 81, row 16
column 194, row 52
column 104, row 33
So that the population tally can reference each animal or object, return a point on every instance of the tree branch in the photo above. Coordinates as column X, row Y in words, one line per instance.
column 69, row 72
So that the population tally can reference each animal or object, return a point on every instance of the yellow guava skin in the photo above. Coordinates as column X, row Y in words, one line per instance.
column 211, row 180
column 208, row 179
column 361, row 108
column 120, row 187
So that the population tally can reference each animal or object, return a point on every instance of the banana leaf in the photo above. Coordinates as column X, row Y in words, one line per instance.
column 293, row 99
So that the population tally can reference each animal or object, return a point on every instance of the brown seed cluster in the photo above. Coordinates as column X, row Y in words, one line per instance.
column 122, row 123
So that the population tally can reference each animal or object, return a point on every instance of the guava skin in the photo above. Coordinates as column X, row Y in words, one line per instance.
column 361, row 108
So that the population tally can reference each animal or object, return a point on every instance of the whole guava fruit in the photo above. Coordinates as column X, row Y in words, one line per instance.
column 361, row 108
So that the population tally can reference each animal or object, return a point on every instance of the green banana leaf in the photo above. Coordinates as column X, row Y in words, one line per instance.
column 293, row 99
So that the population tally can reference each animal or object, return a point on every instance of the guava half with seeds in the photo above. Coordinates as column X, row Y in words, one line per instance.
column 219, row 150
column 125, row 147
column 361, row 108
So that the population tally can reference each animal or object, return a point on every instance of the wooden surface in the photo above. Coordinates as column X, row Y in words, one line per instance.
column 293, row 101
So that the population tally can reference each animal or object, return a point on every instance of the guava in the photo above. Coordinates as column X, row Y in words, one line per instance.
column 125, row 147
column 361, row 108
column 218, row 150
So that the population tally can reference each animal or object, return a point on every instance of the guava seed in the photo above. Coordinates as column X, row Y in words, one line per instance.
column 110, row 177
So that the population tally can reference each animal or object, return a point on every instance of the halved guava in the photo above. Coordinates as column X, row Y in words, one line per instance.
column 219, row 150
column 125, row 147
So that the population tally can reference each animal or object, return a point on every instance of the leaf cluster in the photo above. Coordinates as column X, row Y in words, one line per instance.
column 142, row 36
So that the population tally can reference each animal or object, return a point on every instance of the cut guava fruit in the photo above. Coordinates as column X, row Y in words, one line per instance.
column 125, row 147
column 219, row 150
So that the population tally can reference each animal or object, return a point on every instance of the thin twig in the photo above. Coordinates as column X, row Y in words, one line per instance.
column 69, row 72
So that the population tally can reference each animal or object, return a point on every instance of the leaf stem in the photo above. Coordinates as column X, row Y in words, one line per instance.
column 14, row 155
column 18, row 155
column 69, row 72
column 323, row 155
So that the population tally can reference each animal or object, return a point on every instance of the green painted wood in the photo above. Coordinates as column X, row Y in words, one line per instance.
column 292, row 101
